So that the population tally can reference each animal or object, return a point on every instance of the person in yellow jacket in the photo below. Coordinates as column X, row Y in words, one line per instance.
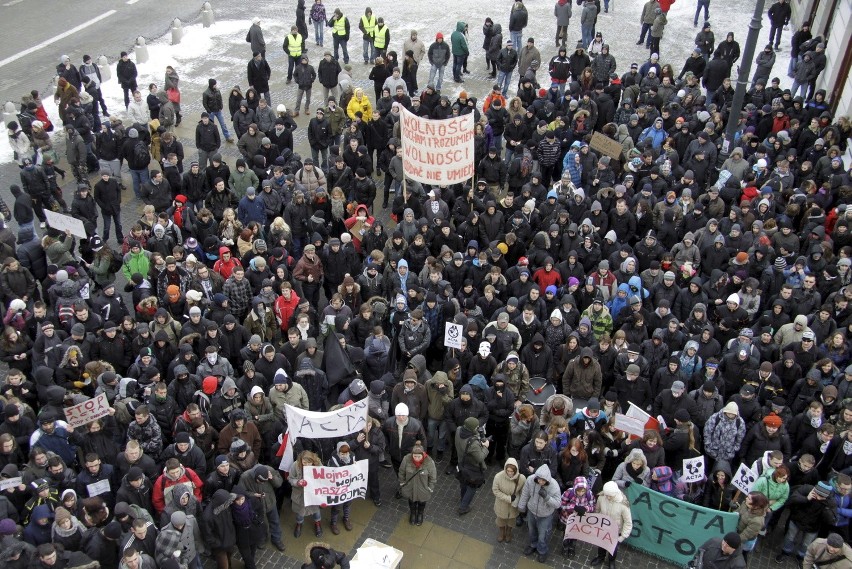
column 293, row 48
column 367, row 25
column 381, row 38
column 360, row 103
column 339, row 25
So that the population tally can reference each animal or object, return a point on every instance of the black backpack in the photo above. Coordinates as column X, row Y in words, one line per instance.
column 141, row 154
column 116, row 262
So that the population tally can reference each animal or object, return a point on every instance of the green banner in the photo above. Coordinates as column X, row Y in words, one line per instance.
column 672, row 529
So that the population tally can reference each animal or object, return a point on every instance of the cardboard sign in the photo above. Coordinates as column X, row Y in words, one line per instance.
column 319, row 425
column 452, row 335
column 693, row 470
column 87, row 411
column 333, row 486
column 606, row 146
column 630, row 425
column 7, row 483
column 437, row 152
column 61, row 222
column 744, row 479
column 595, row 529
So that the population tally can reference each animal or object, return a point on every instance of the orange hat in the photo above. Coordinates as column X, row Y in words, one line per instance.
column 773, row 420
column 173, row 292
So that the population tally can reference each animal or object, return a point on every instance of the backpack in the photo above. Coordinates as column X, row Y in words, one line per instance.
column 65, row 310
column 526, row 164
column 140, row 153
column 117, row 261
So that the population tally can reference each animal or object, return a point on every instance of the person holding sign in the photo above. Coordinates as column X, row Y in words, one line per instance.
column 613, row 503
column 298, row 482
column 417, row 477
column 576, row 500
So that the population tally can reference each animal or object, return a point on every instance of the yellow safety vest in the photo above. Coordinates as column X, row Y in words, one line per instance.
column 381, row 37
column 340, row 26
column 294, row 45
column 369, row 24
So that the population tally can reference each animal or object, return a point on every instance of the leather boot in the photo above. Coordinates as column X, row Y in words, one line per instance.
column 334, row 528
column 297, row 531
column 509, row 534
column 611, row 563
column 347, row 524
column 412, row 512
column 318, row 529
column 419, row 518
column 598, row 560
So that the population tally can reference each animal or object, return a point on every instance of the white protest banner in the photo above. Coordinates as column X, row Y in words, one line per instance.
column 437, row 152
column 693, row 470
column 332, row 486
column 595, row 529
column 630, row 425
column 452, row 335
column 61, row 222
column 744, row 479
column 7, row 483
column 637, row 413
column 87, row 411
column 98, row 488
column 319, row 425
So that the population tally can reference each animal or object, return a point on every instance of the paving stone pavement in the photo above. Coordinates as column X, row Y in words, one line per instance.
column 447, row 541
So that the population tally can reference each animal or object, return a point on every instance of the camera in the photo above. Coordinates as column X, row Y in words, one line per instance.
column 480, row 432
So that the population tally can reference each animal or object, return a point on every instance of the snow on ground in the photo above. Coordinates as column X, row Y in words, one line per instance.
column 221, row 51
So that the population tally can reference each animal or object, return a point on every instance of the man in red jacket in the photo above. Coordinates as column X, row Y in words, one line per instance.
column 174, row 473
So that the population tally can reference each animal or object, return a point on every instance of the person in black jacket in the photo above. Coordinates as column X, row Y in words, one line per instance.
column 107, row 192
column 207, row 138
column 126, row 73
column 217, row 527
column 212, row 102
column 779, row 16
column 500, row 403
column 319, row 135
column 259, row 72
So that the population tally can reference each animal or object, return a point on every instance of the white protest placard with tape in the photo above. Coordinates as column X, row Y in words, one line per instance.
column 630, row 425
column 332, row 486
column 453, row 335
column 693, row 470
column 87, row 411
column 594, row 529
column 319, row 425
column 437, row 152
column 98, row 488
column 61, row 222
column 6, row 483
column 744, row 479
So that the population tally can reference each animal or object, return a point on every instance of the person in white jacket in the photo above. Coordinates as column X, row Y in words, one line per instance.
column 613, row 503
column 540, row 498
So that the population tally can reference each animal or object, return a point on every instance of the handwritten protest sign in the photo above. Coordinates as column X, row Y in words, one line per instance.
column 87, row 411
column 7, row 483
column 98, row 488
column 596, row 529
column 605, row 145
column 319, row 425
column 693, row 470
column 335, row 485
column 437, row 152
column 61, row 222
column 744, row 479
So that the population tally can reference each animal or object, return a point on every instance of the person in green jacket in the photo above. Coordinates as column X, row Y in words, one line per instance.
column 472, row 451
column 460, row 50
column 136, row 261
column 773, row 484
column 241, row 178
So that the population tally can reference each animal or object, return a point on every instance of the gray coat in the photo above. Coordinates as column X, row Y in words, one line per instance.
column 533, row 501
column 562, row 13
column 764, row 63
column 255, row 38
column 417, row 484
column 590, row 13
